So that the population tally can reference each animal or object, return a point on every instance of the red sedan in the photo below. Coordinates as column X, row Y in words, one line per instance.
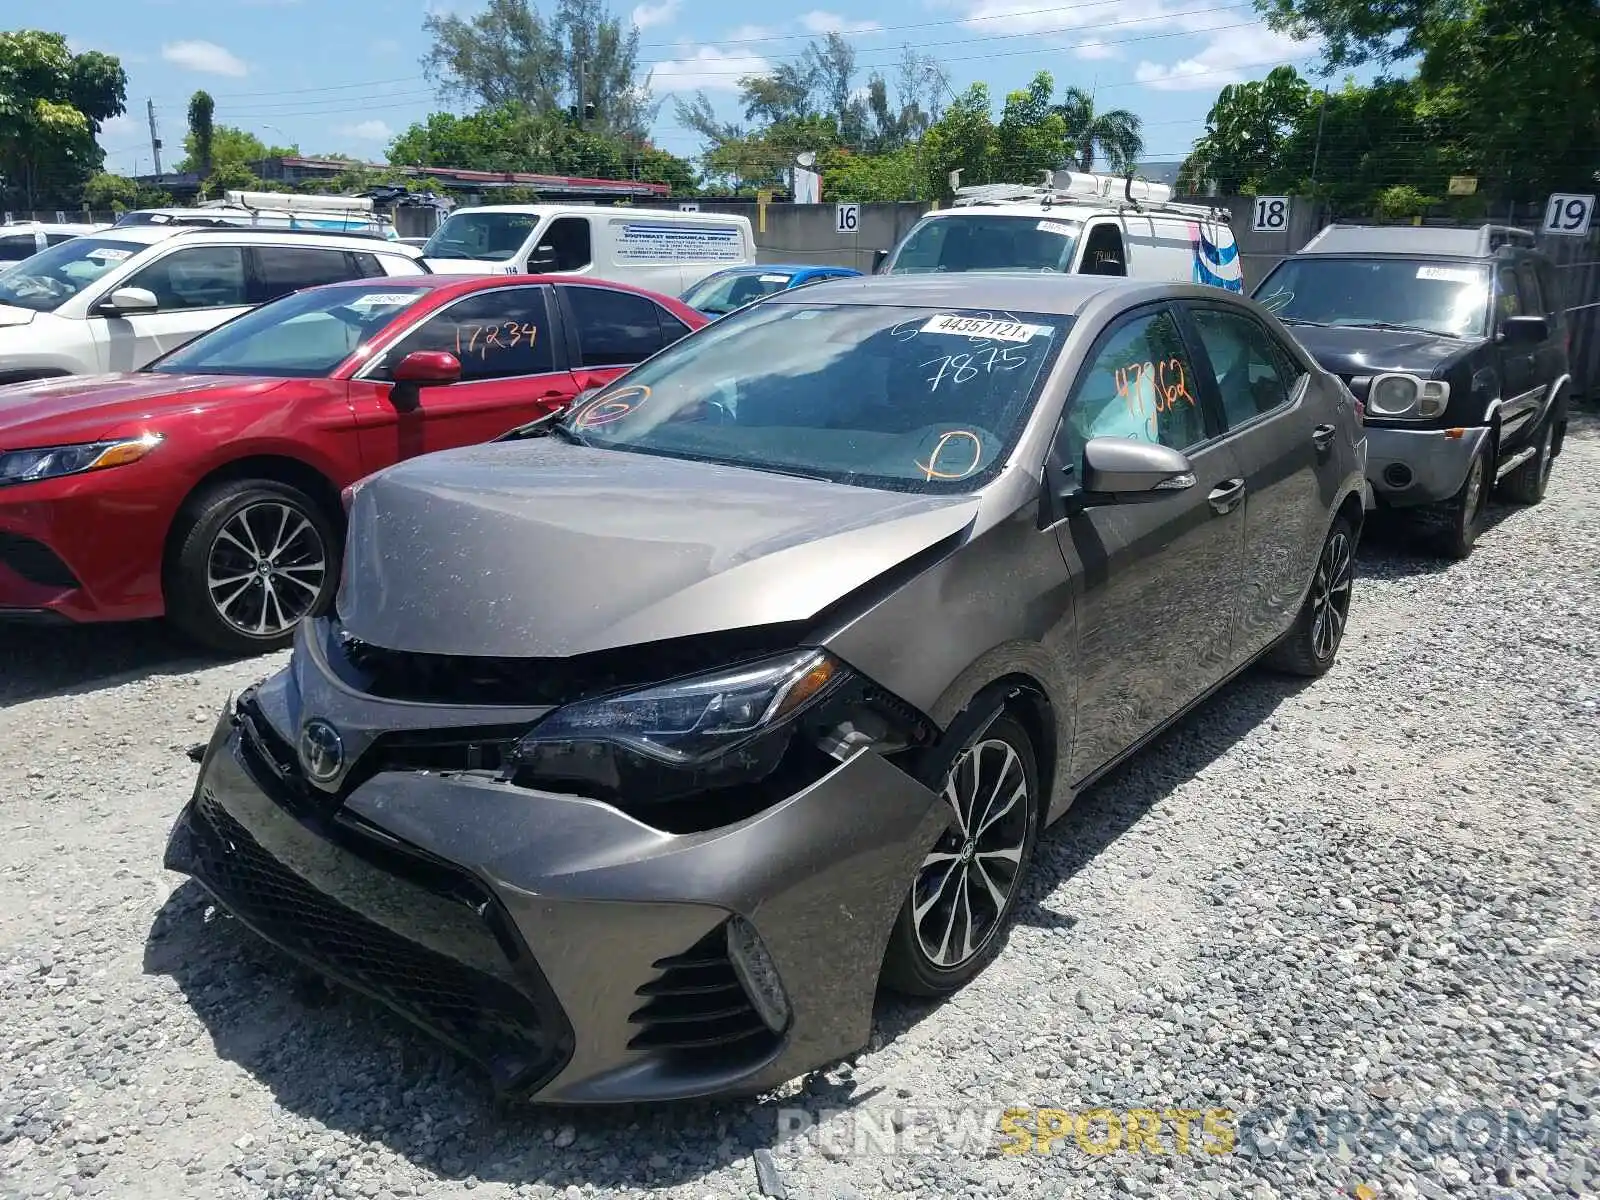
column 205, row 487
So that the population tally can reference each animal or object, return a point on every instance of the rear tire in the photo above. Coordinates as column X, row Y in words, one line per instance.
column 253, row 557
column 1528, row 483
column 1310, row 647
column 961, row 901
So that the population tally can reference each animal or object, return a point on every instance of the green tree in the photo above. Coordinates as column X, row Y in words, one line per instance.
column 230, row 148
column 1116, row 134
column 509, row 53
column 201, row 130
column 1519, row 77
column 1032, row 135
column 873, row 178
column 1245, row 133
column 962, row 139
column 52, row 105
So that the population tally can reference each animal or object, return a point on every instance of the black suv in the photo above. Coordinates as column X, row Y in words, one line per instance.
column 1454, row 341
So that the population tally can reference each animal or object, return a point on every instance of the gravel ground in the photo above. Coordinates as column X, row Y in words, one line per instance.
column 1358, row 901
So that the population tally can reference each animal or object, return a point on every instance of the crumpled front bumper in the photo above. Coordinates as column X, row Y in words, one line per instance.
column 1410, row 467
column 576, row 954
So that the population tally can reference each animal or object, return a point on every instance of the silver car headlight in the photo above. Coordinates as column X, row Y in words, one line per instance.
column 1400, row 396
column 52, row 462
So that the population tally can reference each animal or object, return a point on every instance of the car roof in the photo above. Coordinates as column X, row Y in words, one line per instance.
column 1417, row 241
column 772, row 268
column 473, row 283
column 1054, row 294
column 290, row 237
column 148, row 234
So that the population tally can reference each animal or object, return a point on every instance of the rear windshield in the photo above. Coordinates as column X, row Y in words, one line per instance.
column 1430, row 296
column 988, row 243
column 719, row 294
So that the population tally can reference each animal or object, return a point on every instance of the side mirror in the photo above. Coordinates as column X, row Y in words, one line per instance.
column 1127, row 471
column 879, row 257
column 417, row 370
column 542, row 260
column 126, row 301
column 1525, row 330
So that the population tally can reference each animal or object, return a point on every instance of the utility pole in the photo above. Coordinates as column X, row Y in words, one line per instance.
column 155, row 139
column 1316, row 153
column 581, row 110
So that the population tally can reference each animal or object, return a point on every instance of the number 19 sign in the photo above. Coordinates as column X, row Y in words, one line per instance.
column 1271, row 214
column 1568, row 214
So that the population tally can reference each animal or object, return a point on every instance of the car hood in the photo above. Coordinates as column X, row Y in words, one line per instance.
column 11, row 315
column 545, row 549
column 469, row 266
column 1350, row 350
column 71, row 408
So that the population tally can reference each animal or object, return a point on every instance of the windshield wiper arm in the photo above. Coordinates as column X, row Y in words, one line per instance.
column 542, row 426
column 1390, row 326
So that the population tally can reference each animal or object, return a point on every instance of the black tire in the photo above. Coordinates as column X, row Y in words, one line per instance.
column 1463, row 516
column 1527, row 484
column 1312, row 644
column 250, row 615
column 1001, row 752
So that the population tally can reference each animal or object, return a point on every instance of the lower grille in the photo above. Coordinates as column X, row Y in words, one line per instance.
column 698, row 1004
column 35, row 562
column 485, row 1018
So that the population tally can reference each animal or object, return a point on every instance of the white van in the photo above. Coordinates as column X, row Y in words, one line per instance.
column 1076, row 223
column 656, row 249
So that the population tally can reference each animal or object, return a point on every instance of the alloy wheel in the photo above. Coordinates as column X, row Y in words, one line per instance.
column 1546, row 459
column 266, row 567
column 965, row 884
column 1474, row 497
column 1330, row 595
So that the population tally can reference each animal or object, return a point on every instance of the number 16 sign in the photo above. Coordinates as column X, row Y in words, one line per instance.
column 1568, row 214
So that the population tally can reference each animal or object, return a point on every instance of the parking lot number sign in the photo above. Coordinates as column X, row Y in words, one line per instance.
column 689, row 206
column 848, row 218
column 1568, row 214
column 1271, row 214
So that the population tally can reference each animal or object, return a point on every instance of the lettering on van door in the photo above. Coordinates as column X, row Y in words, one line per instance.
column 646, row 242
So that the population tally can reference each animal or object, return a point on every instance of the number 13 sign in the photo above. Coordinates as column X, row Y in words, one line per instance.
column 1568, row 214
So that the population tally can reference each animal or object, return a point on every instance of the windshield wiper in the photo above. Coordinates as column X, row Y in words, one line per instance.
column 1390, row 326
column 551, row 422
column 1302, row 321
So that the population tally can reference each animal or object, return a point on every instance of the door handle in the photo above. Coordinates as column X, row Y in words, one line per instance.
column 1322, row 436
column 1225, row 496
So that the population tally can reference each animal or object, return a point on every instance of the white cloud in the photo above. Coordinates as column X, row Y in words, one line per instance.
column 647, row 15
column 750, row 33
column 708, row 68
column 368, row 131
column 1226, row 58
column 817, row 21
column 208, row 58
column 1094, row 49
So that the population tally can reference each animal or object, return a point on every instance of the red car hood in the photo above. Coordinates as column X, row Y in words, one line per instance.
column 76, row 408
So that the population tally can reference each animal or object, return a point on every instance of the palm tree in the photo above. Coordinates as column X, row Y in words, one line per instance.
column 1114, row 134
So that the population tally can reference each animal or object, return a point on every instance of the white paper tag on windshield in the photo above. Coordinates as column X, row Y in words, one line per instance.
column 108, row 253
column 1448, row 274
column 1055, row 227
column 774, row 279
column 983, row 327
column 382, row 300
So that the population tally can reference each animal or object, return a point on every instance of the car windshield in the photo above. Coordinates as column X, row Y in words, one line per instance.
column 718, row 294
column 905, row 399
column 1443, row 297
column 490, row 236
column 988, row 243
column 48, row 279
column 303, row 335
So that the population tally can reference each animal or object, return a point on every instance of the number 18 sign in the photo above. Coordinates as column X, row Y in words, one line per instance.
column 1568, row 214
column 1271, row 214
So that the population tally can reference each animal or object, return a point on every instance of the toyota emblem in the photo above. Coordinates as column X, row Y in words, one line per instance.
column 321, row 750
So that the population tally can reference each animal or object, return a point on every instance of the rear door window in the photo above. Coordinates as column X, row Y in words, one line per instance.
column 1254, row 374
column 614, row 328
column 281, row 270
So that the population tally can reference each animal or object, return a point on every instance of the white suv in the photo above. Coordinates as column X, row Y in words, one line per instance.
column 114, row 300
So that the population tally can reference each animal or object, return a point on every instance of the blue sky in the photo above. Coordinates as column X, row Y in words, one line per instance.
column 343, row 75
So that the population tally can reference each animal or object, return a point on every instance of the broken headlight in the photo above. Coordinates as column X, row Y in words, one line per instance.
column 706, row 731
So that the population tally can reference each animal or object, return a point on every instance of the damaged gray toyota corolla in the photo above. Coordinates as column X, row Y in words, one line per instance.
column 644, row 745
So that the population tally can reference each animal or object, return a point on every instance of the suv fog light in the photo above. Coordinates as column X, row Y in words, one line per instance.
column 757, row 974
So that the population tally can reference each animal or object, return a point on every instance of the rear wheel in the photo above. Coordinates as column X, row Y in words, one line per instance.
column 1313, row 643
column 965, row 892
column 1527, row 484
column 255, row 558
